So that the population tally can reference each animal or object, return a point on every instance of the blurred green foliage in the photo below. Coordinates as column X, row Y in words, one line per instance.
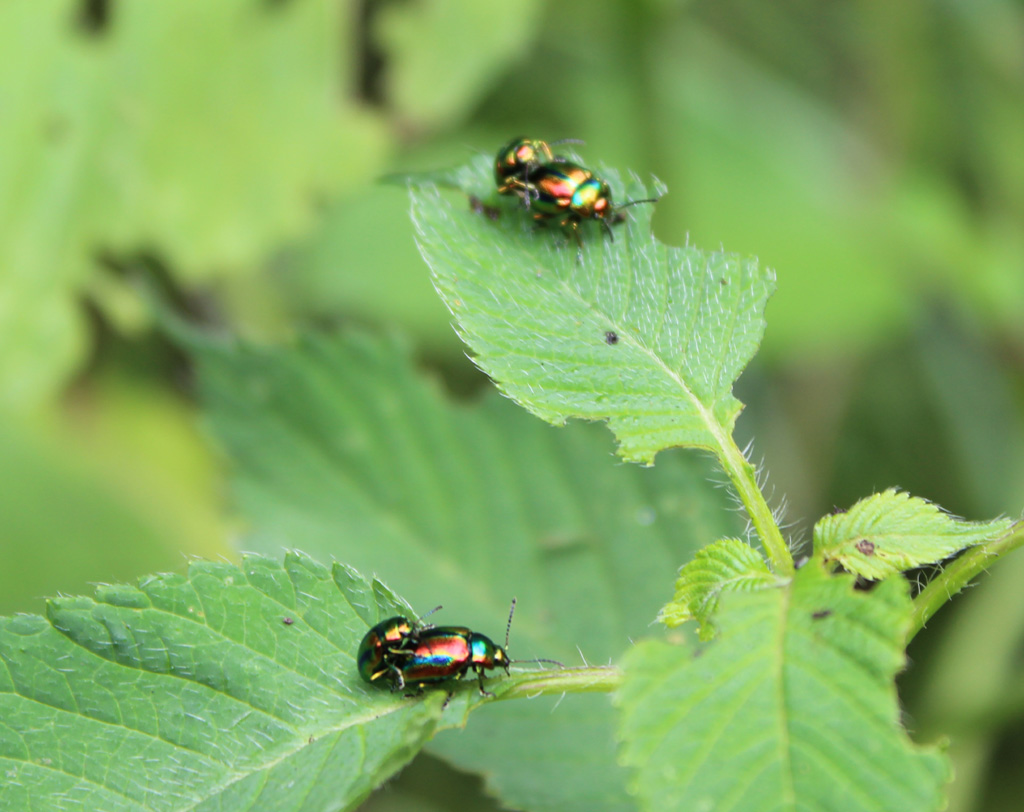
column 871, row 153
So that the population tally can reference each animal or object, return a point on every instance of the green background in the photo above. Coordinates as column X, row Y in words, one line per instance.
column 870, row 153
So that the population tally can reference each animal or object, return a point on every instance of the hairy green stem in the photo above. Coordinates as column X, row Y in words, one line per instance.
column 744, row 479
column 957, row 574
column 588, row 679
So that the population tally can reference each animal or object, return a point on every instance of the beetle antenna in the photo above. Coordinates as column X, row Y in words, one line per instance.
column 508, row 628
column 566, row 141
column 538, row 660
column 428, row 614
column 629, row 203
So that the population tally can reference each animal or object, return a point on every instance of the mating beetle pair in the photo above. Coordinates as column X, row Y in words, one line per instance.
column 553, row 187
column 410, row 653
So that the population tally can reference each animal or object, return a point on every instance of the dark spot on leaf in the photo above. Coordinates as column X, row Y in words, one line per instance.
column 611, row 337
column 369, row 54
column 477, row 205
column 724, row 281
column 836, row 511
column 863, row 584
column 287, row 621
column 94, row 16
column 821, row 613
column 866, row 547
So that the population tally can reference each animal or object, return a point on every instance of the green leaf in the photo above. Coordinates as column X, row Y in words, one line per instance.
column 231, row 688
column 230, row 141
column 369, row 235
column 48, row 196
column 210, row 155
column 892, row 532
column 646, row 336
column 443, row 57
column 791, row 707
column 338, row 447
column 729, row 565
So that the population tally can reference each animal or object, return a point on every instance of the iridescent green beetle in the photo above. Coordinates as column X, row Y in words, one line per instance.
column 387, row 643
column 520, row 157
column 423, row 655
column 450, row 652
column 571, row 192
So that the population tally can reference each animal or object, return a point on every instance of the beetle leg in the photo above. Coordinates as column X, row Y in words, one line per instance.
column 527, row 193
column 397, row 680
column 575, row 225
column 480, row 679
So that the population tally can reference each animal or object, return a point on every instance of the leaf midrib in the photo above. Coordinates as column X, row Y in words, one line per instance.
column 779, row 669
column 705, row 415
